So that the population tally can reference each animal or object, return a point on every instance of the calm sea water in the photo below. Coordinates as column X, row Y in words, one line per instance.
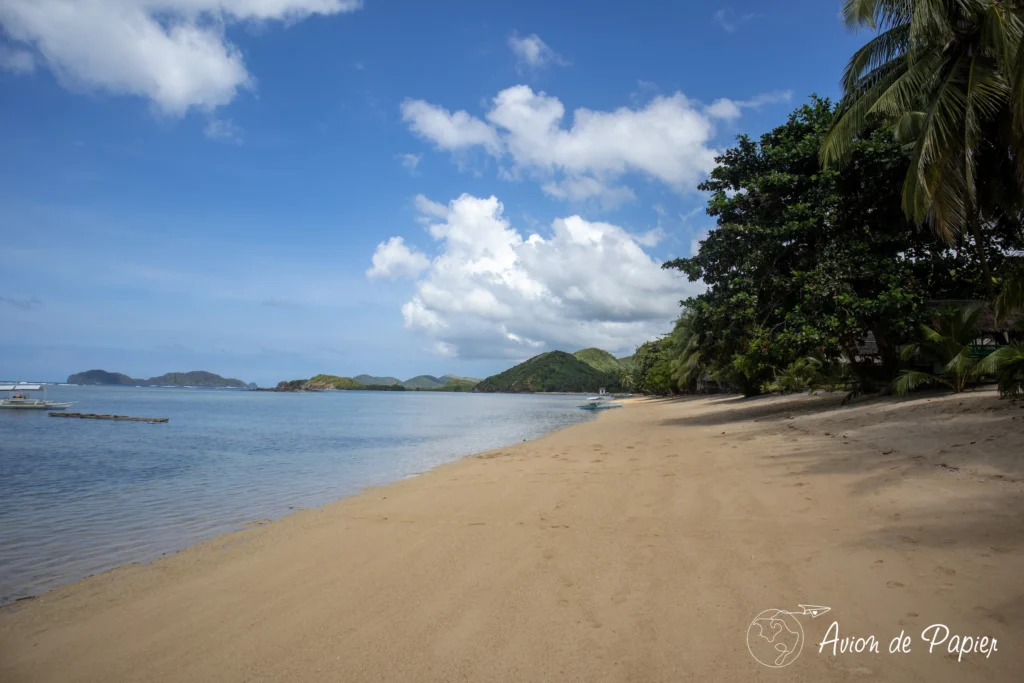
column 79, row 497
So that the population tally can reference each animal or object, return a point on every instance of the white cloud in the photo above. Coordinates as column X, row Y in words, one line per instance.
column 447, row 130
column 17, row 61
column 173, row 52
column 223, row 130
column 533, row 53
column 652, row 237
column 410, row 162
column 583, row 188
column 669, row 140
column 725, row 108
column 393, row 259
column 430, row 209
column 492, row 292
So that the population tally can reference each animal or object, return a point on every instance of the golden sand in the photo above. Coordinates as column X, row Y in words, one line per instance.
column 638, row 547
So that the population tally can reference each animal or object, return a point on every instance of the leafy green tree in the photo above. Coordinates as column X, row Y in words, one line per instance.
column 807, row 261
column 652, row 368
column 946, row 341
column 947, row 77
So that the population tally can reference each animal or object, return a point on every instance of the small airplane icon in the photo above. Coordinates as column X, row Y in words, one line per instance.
column 813, row 611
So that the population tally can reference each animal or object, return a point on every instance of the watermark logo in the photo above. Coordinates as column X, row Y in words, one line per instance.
column 775, row 638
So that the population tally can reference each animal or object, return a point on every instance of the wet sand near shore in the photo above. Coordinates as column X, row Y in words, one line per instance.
column 638, row 547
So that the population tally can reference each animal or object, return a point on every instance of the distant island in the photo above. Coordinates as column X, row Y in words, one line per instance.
column 372, row 383
column 555, row 371
column 196, row 378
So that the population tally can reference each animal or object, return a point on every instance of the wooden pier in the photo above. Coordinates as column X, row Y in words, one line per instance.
column 97, row 416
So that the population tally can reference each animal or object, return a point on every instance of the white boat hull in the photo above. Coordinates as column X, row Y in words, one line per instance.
column 34, row 405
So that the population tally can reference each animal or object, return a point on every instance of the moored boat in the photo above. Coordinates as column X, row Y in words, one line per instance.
column 599, row 403
column 18, row 398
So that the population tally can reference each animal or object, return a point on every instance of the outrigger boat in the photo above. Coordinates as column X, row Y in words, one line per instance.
column 18, row 398
column 599, row 403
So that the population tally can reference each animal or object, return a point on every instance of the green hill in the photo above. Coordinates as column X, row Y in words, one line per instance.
column 100, row 377
column 457, row 378
column 332, row 382
column 599, row 359
column 424, row 382
column 196, row 378
column 371, row 379
column 551, row 371
column 627, row 362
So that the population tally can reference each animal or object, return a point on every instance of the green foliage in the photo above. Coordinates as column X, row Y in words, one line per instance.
column 424, row 382
column 456, row 385
column 599, row 359
column 652, row 368
column 332, row 382
column 551, row 371
column 947, row 78
column 946, row 342
column 371, row 379
column 195, row 378
column 806, row 262
column 292, row 385
column 1007, row 365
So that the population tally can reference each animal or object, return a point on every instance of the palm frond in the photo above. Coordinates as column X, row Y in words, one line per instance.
column 880, row 50
column 909, row 380
column 1011, row 298
column 1007, row 364
column 1017, row 96
column 910, row 351
column 857, row 13
column 853, row 112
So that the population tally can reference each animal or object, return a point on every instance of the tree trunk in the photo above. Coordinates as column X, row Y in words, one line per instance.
column 979, row 248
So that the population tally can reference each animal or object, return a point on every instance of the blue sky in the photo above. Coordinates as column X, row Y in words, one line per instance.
column 268, row 189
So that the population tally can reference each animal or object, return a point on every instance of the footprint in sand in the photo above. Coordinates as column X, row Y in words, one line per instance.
column 894, row 584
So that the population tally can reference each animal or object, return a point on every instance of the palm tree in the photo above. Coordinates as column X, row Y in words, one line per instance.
column 1007, row 364
column 688, row 366
column 947, row 77
column 1011, row 297
column 626, row 380
column 948, row 342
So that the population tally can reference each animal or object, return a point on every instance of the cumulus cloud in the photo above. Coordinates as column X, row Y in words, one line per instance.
column 669, row 140
column 533, row 53
column 491, row 292
column 447, row 130
column 223, row 130
column 173, row 52
column 16, row 61
column 394, row 259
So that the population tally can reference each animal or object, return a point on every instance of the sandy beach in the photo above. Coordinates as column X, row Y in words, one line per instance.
column 638, row 547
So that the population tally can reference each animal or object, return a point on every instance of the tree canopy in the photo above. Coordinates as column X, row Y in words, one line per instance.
column 807, row 261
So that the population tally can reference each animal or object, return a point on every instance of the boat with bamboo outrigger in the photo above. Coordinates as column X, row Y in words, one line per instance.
column 19, row 398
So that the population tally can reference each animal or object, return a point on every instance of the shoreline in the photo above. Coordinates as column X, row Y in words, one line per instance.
column 636, row 545
column 247, row 525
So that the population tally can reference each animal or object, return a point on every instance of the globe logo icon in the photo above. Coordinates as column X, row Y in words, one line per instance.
column 775, row 638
